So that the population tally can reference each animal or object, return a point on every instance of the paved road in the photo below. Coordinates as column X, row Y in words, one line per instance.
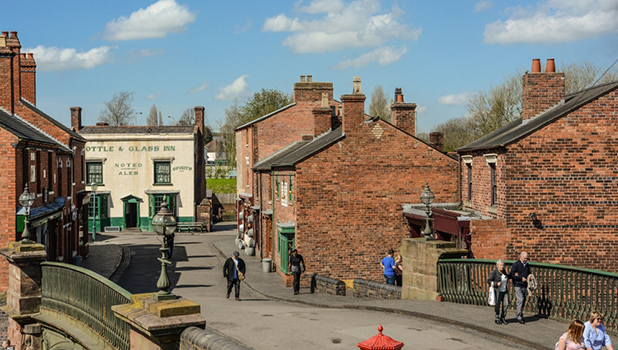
column 264, row 323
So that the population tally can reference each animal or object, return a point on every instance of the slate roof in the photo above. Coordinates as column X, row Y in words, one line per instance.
column 517, row 130
column 300, row 150
column 52, row 120
column 139, row 129
column 266, row 116
column 26, row 132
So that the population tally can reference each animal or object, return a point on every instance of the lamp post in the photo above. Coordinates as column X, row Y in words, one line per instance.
column 173, row 120
column 94, row 211
column 164, row 224
column 135, row 117
column 427, row 198
column 26, row 199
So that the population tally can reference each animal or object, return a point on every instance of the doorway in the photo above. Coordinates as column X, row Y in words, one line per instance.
column 130, row 215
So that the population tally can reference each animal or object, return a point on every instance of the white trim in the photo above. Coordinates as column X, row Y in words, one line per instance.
column 491, row 158
column 467, row 159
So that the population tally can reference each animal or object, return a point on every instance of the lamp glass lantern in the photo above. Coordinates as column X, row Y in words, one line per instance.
column 26, row 199
column 164, row 224
column 427, row 197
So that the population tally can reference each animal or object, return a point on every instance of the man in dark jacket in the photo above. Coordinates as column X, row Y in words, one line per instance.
column 231, row 270
column 519, row 273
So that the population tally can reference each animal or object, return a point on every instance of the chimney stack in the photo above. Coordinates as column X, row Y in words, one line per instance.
column 353, row 114
column 15, row 46
column 199, row 118
column 76, row 118
column 322, row 117
column 28, row 78
column 436, row 140
column 6, row 74
column 308, row 91
column 541, row 91
column 403, row 115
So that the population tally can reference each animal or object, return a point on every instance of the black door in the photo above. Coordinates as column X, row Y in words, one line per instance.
column 131, row 215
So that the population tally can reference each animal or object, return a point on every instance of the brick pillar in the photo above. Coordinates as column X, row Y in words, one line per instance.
column 541, row 91
column 420, row 266
column 199, row 118
column 76, row 118
column 200, row 166
column 436, row 140
column 353, row 108
column 28, row 78
column 311, row 91
column 157, row 325
column 24, row 294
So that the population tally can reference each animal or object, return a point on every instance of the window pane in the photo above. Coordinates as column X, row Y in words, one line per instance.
column 94, row 172
column 162, row 172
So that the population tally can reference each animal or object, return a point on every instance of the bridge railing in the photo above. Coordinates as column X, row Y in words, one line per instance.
column 564, row 292
column 86, row 297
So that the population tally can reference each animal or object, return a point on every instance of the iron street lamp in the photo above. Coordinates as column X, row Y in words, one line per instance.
column 26, row 200
column 164, row 224
column 94, row 211
column 427, row 198
column 135, row 117
column 173, row 119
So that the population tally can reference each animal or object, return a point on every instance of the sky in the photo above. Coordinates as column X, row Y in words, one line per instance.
column 177, row 54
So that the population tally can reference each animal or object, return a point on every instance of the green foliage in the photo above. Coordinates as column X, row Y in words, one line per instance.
column 207, row 134
column 221, row 185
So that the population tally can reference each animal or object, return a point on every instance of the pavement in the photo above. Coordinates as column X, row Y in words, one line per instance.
column 111, row 260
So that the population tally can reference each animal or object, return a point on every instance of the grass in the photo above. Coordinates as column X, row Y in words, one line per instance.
column 221, row 185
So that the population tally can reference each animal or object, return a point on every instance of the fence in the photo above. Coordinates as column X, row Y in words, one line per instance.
column 86, row 297
column 564, row 292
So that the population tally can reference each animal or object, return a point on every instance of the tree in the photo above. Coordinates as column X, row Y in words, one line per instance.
column 263, row 102
column 501, row 104
column 153, row 116
column 207, row 134
column 160, row 118
column 380, row 104
column 118, row 110
column 187, row 118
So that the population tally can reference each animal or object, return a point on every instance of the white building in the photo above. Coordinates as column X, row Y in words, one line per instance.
column 136, row 168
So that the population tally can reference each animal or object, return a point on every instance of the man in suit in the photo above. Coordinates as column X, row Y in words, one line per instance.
column 231, row 269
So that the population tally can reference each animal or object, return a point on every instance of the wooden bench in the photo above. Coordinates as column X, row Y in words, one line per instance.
column 190, row 226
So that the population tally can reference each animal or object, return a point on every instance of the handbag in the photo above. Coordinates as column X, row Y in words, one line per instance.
column 492, row 295
column 241, row 276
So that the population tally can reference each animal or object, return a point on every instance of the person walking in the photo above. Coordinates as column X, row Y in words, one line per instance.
column 519, row 273
column 296, row 265
column 595, row 336
column 500, row 279
column 234, row 270
column 398, row 270
column 388, row 264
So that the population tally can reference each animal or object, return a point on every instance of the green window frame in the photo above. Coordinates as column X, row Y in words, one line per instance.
column 100, row 202
column 162, row 173
column 290, row 194
column 277, row 186
column 157, row 200
column 94, row 173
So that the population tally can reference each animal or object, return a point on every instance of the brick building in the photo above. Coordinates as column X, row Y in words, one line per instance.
column 337, row 193
column 547, row 183
column 42, row 153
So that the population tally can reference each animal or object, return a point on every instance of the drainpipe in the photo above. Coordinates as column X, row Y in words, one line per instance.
column 272, row 200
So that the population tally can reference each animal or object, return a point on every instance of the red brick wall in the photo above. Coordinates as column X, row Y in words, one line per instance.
column 28, row 77
column 540, row 92
column 481, row 183
column 491, row 239
column 6, row 77
column 349, row 197
column 10, row 180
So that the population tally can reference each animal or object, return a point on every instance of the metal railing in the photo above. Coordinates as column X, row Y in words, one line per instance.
column 564, row 292
column 87, row 297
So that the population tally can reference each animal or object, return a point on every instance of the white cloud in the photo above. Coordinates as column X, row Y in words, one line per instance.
column 155, row 21
column 357, row 24
column 154, row 96
column 246, row 28
column 455, row 100
column 421, row 109
column 60, row 59
column 555, row 21
column 238, row 89
column 483, row 5
column 383, row 55
column 202, row 87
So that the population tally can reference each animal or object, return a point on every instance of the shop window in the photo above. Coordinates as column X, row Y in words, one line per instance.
column 163, row 174
column 99, row 204
column 94, row 173
column 158, row 199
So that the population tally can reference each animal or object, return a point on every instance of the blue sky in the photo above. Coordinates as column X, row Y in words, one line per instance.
column 178, row 54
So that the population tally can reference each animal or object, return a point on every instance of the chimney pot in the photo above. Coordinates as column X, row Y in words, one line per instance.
column 14, row 34
column 324, row 100
column 356, row 85
column 398, row 95
column 536, row 65
column 551, row 66
column 309, row 78
column 5, row 33
column 24, row 55
column 302, row 78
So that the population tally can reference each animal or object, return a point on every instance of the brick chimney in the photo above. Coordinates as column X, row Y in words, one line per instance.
column 28, row 78
column 436, row 140
column 403, row 115
column 322, row 116
column 541, row 91
column 76, row 118
column 353, row 111
column 6, row 74
column 309, row 91
column 199, row 118
column 15, row 46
